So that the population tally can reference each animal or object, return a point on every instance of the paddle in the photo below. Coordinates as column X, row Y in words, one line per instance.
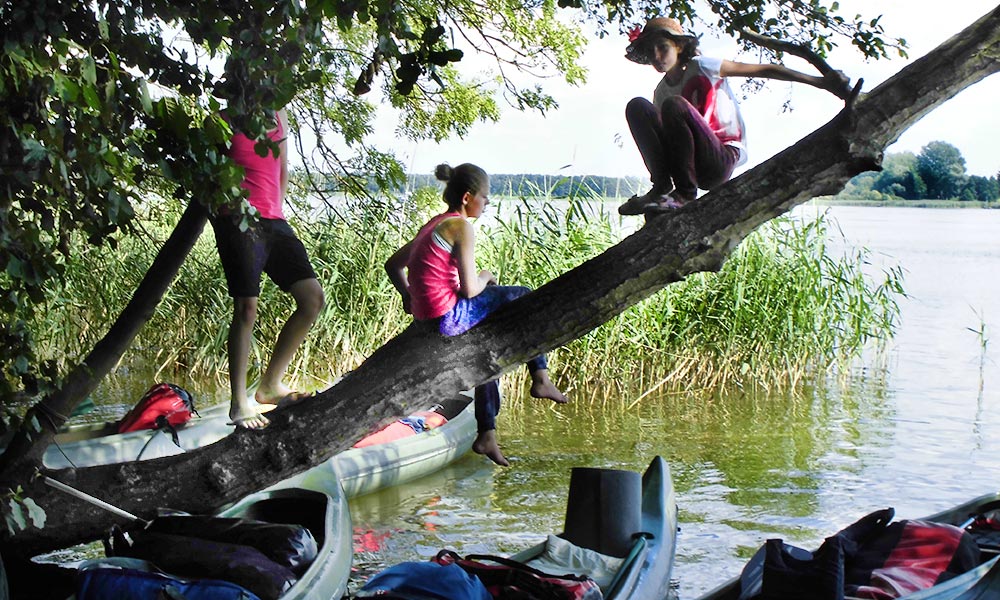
column 62, row 487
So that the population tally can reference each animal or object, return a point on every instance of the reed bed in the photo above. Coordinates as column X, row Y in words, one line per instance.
column 783, row 308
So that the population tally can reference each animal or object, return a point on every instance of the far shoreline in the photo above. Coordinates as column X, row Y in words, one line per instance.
column 963, row 204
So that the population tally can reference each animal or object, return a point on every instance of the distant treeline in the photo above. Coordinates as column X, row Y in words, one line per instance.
column 937, row 173
column 556, row 186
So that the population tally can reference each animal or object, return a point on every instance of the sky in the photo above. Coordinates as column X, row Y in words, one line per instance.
column 587, row 134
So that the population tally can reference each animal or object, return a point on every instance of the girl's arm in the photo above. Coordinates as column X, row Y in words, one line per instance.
column 463, row 239
column 836, row 82
column 395, row 267
column 283, row 147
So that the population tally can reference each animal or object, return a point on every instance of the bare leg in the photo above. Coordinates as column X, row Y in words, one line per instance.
column 486, row 444
column 542, row 387
column 240, row 333
column 308, row 302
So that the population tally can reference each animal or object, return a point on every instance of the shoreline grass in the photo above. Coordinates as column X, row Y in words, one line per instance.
column 780, row 310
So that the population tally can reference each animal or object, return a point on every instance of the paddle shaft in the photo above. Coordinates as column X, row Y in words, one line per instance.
column 62, row 487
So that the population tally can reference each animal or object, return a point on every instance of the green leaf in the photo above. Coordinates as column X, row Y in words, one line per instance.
column 15, row 268
column 91, row 98
column 16, row 514
column 34, row 151
column 35, row 513
column 147, row 102
column 68, row 89
column 89, row 70
column 9, row 522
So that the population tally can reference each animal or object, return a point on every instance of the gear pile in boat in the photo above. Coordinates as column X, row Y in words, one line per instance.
column 871, row 558
column 261, row 558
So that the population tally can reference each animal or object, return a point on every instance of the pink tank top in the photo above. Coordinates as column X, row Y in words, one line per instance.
column 263, row 173
column 432, row 273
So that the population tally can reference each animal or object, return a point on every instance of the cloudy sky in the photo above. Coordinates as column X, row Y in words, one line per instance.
column 588, row 133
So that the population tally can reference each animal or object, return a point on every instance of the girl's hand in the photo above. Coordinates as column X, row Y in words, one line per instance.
column 487, row 278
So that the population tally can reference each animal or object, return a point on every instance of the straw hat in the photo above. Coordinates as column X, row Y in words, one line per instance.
column 640, row 41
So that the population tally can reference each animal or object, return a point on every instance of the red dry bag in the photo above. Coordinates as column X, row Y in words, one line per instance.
column 165, row 404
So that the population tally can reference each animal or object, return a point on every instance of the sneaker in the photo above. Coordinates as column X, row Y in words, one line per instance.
column 636, row 205
column 667, row 203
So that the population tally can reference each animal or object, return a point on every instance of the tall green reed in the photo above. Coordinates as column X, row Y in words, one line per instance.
column 783, row 306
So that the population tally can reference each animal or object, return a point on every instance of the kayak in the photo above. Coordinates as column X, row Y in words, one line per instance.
column 168, row 556
column 327, row 517
column 982, row 582
column 361, row 470
column 90, row 444
column 649, row 539
column 619, row 531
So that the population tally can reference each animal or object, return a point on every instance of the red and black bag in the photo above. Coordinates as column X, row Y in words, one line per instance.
column 163, row 406
column 508, row 579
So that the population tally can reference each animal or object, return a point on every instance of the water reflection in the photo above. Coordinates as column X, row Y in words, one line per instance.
column 741, row 464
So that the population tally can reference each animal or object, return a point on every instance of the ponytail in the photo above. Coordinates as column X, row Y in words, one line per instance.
column 466, row 177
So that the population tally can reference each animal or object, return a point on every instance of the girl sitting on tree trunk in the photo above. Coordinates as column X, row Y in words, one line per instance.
column 436, row 275
column 692, row 135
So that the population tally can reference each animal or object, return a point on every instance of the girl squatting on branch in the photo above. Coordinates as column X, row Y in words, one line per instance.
column 692, row 135
column 436, row 275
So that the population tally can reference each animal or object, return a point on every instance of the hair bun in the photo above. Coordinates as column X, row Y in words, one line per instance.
column 443, row 172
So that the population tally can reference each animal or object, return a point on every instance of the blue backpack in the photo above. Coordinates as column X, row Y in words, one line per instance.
column 132, row 579
column 424, row 581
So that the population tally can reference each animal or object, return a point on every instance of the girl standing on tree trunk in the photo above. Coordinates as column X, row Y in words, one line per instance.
column 268, row 246
column 436, row 275
column 692, row 135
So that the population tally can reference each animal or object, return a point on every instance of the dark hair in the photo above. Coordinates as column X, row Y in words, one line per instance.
column 687, row 46
column 466, row 177
column 689, row 49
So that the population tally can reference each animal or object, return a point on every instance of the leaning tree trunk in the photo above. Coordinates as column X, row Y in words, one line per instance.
column 419, row 364
column 26, row 448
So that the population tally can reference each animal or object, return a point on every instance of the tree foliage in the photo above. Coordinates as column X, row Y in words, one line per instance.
column 937, row 173
column 942, row 167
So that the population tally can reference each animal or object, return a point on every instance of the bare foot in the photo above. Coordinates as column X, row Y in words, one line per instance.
column 542, row 387
column 280, row 396
column 486, row 444
column 251, row 421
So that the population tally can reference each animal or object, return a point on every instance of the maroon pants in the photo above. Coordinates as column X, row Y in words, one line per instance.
column 680, row 150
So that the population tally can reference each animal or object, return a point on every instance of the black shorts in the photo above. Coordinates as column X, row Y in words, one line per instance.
column 269, row 246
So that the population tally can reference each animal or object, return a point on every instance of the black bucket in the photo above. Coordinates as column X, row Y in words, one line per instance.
column 604, row 509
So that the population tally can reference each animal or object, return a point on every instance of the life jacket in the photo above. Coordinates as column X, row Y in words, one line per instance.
column 418, row 422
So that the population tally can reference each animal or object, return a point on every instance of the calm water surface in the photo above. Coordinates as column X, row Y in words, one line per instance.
column 919, row 434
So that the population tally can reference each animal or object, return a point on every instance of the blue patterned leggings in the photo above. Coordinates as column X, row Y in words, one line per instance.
column 462, row 317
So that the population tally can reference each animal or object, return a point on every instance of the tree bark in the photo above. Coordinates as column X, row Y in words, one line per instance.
column 419, row 364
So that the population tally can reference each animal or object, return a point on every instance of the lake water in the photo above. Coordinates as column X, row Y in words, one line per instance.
column 914, row 429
